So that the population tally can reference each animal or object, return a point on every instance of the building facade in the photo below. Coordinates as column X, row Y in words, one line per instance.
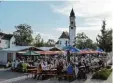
column 68, row 38
column 6, row 40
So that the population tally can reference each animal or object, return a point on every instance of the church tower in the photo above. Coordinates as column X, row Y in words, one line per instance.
column 72, row 28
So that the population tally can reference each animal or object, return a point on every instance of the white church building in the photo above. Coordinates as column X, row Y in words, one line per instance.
column 68, row 38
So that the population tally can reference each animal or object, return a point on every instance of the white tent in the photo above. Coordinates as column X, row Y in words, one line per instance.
column 10, row 53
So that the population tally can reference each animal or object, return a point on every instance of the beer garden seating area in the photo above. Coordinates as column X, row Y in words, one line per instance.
column 67, row 64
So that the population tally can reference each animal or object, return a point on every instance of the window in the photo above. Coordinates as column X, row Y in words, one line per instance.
column 66, row 43
column 60, row 42
column 71, row 27
column 71, row 22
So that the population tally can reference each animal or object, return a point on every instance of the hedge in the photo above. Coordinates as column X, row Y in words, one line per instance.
column 102, row 74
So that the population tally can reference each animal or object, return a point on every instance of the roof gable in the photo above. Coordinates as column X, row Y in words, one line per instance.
column 57, row 42
column 6, row 36
column 64, row 35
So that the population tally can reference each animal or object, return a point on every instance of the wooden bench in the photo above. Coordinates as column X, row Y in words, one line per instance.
column 68, row 76
column 47, row 75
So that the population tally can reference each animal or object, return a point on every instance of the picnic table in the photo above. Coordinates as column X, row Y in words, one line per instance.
column 31, row 67
column 48, row 73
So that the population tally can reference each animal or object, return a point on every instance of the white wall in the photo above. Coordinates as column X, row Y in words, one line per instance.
column 3, row 56
column 4, row 43
column 72, row 30
column 7, row 43
column 12, row 40
column 63, row 41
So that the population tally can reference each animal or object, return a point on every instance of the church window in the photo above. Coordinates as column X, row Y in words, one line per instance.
column 66, row 43
column 60, row 42
column 71, row 27
column 71, row 22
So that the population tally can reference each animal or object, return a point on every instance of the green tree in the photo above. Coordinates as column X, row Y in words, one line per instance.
column 82, row 41
column 38, row 41
column 23, row 34
column 104, row 40
column 50, row 42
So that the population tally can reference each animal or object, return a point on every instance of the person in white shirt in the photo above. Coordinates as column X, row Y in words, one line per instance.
column 44, row 67
column 16, row 63
column 13, row 64
column 76, row 70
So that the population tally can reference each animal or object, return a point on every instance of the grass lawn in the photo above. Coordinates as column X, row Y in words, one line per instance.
column 102, row 74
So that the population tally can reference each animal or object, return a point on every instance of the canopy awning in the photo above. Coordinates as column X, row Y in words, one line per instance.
column 51, row 52
column 89, row 52
column 31, row 53
column 67, row 47
column 73, row 50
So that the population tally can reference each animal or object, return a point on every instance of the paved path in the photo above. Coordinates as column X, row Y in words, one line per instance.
column 2, row 69
column 7, row 74
column 22, row 79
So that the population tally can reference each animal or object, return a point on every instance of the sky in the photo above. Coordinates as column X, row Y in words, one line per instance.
column 51, row 18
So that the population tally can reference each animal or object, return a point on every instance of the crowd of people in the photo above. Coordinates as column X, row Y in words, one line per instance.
column 75, row 64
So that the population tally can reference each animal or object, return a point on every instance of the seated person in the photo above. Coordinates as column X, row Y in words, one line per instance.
column 44, row 66
column 24, row 67
column 59, row 69
column 39, row 71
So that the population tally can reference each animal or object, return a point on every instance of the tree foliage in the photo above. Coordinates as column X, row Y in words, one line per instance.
column 39, row 42
column 82, row 41
column 104, row 40
column 50, row 42
column 23, row 34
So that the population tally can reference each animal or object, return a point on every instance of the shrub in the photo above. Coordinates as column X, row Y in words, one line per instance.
column 102, row 74
column 108, row 67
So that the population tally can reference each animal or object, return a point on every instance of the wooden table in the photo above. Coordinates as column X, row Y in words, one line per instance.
column 33, row 70
column 31, row 67
column 50, row 71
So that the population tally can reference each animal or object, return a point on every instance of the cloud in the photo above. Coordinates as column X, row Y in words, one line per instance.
column 91, row 11
column 85, row 8
column 78, row 28
column 89, row 14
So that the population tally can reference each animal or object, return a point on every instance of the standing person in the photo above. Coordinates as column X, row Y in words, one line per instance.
column 68, row 55
column 70, row 71
column 76, row 70
column 16, row 63
column 13, row 65
column 87, row 66
column 8, row 64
